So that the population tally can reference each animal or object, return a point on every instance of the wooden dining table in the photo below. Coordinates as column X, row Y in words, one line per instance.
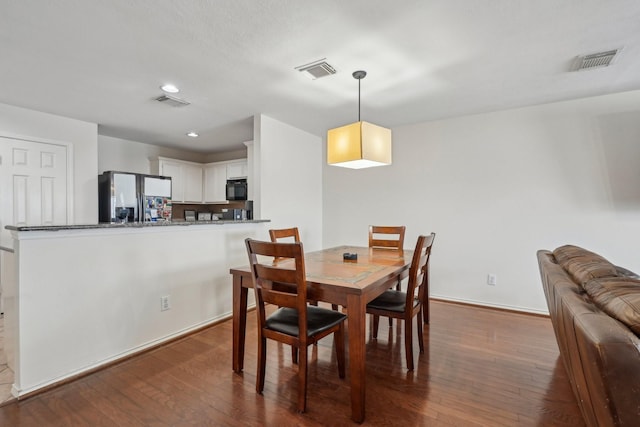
column 351, row 284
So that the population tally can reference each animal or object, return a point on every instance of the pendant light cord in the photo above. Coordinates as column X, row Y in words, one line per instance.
column 359, row 75
column 359, row 99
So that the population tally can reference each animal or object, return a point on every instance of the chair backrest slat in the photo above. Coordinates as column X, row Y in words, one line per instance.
column 284, row 233
column 376, row 242
column 291, row 234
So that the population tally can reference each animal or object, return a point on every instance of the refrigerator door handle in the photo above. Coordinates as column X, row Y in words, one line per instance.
column 141, row 207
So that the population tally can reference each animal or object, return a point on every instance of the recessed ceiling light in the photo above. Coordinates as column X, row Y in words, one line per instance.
column 193, row 134
column 169, row 88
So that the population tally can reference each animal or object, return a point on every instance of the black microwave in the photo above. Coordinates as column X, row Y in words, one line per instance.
column 237, row 189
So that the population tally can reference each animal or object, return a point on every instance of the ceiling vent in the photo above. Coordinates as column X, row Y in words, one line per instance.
column 317, row 69
column 595, row 60
column 172, row 100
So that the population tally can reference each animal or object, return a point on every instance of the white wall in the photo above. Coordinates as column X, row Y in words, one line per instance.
column 288, row 164
column 18, row 122
column 70, row 309
column 123, row 155
column 496, row 188
column 226, row 155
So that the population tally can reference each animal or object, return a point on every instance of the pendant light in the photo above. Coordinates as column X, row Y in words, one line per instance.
column 360, row 144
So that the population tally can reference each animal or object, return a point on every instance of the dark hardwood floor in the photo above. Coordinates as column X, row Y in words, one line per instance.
column 481, row 367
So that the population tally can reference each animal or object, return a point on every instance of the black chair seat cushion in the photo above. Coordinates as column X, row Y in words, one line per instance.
column 391, row 301
column 285, row 320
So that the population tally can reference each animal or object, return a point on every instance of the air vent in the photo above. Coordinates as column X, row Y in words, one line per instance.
column 595, row 60
column 172, row 100
column 317, row 69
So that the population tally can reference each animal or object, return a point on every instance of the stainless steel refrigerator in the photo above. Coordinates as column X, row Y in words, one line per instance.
column 155, row 194
column 132, row 197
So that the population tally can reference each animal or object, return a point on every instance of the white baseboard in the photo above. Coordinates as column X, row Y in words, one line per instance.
column 492, row 305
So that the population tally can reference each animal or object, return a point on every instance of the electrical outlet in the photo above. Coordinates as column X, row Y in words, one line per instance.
column 492, row 279
column 165, row 303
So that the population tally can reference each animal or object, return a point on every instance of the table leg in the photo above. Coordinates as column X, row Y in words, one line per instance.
column 356, row 312
column 239, row 322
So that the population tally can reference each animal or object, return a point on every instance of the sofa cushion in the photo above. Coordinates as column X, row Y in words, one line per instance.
column 566, row 252
column 583, row 269
column 619, row 297
column 582, row 264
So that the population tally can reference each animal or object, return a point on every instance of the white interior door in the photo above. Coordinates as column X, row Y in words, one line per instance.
column 33, row 185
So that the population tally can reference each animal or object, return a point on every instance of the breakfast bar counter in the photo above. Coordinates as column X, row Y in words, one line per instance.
column 77, row 297
column 104, row 225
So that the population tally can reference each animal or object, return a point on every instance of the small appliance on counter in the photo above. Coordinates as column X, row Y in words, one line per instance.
column 234, row 214
column 248, row 206
column 189, row 215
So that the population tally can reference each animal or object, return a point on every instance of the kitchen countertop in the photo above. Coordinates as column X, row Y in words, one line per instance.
column 180, row 223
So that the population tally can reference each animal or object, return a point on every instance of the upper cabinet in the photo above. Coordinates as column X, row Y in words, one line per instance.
column 237, row 169
column 186, row 179
column 215, row 181
column 192, row 175
column 200, row 183
column 216, row 176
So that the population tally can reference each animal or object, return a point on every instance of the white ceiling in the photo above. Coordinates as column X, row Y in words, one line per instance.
column 103, row 61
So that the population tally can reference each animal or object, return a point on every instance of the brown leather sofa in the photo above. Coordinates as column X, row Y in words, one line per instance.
column 595, row 311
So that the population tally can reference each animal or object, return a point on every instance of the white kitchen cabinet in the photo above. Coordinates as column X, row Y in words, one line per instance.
column 197, row 183
column 186, row 179
column 237, row 169
column 216, row 176
column 192, row 183
column 215, row 180
column 174, row 170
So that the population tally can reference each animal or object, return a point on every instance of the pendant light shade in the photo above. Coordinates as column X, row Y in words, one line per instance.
column 360, row 144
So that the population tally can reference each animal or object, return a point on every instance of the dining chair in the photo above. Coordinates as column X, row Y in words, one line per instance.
column 377, row 231
column 407, row 305
column 283, row 233
column 295, row 323
column 376, row 241
column 425, row 286
column 277, row 235
column 287, row 234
